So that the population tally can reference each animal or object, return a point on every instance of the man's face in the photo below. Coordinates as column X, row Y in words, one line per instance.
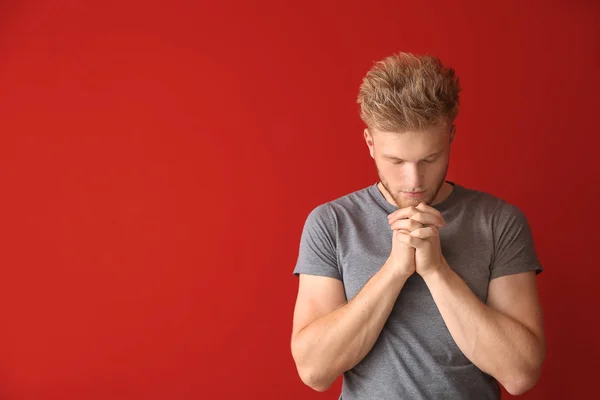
column 411, row 162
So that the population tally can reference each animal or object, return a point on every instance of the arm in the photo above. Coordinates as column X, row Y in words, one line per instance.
column 331, row 336
column 503, row 338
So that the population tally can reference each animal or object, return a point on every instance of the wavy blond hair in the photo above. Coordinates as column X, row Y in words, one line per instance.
column 406, row 92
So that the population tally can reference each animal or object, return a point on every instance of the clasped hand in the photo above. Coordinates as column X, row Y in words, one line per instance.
column 418, row 227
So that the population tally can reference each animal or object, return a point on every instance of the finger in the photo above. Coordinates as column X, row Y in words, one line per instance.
column 425, row 233
column 406, row 224
column 409, row 240
column 429, row 219
column 428, row 209
column 405, row 212
column 403, row 237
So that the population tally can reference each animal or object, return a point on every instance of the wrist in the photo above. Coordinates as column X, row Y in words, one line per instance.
column 436, row 272
column 396, row 271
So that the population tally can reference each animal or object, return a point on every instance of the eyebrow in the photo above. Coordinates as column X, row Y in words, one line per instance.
column 399, row 159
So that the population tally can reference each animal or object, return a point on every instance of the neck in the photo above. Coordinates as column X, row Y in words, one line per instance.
column 442, row 194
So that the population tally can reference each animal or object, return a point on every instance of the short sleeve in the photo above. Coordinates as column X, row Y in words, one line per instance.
column 514, row 249
column 317, row 254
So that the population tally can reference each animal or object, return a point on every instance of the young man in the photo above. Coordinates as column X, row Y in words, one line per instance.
column 416, row 287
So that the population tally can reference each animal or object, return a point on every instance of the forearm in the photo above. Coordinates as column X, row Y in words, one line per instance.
column 494, row 342
column 339, row 340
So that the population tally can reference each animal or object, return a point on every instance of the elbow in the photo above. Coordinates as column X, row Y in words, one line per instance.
column 314, row 380
column 309, row 374
column 527, row 377
column 315, row 383
column 522, row 382
column 520, row 387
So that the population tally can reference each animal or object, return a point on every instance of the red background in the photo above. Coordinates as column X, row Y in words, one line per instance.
column 158, row 162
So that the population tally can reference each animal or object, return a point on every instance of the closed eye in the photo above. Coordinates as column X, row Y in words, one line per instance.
column 425, row 161
column 398, row 162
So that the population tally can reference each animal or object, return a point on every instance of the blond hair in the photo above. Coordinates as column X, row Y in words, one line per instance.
column 406, row 92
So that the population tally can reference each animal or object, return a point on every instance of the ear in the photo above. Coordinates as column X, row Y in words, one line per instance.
column 452, row 132
column 369, row 140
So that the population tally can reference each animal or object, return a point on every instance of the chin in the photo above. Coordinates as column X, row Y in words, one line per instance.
column 403, row 201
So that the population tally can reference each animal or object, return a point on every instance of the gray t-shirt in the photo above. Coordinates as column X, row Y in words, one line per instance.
column 415, row 356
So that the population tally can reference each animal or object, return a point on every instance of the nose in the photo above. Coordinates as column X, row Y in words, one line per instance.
column 413, row 178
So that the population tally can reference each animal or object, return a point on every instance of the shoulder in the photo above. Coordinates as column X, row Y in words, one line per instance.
column 494, row 207
column 350, row 203
column 353, row 203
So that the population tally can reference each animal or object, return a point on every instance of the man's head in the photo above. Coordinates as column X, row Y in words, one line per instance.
column 409, row 104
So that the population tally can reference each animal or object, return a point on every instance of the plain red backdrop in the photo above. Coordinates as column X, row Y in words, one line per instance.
column 158, row 160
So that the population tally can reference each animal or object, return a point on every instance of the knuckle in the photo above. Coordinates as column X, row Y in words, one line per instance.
column 398, row 225
column 417, row 216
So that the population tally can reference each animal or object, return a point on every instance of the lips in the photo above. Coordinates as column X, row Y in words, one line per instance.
column 414, row 194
